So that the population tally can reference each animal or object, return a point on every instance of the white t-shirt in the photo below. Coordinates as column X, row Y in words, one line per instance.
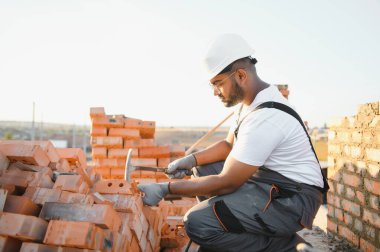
column 275, row 139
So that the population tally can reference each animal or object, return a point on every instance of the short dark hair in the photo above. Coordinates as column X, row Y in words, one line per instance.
column 228, row 68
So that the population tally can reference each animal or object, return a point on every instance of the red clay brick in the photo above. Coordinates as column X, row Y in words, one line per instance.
column 332, row 226
column 9, row 244
column 74, row 234
column 4, row 163
column 63, row 165
column 349, row 235
column 367, row 246
column 361, row 197
column 133, row 221
column 69, row 197
column 112, row 186
column 142, row 143
column 126, row 134
column 73, row 155
column 109, row 142
column 71, row 183
column 21, row 205
column 148, row 174
column 97, row 112
column 131, row 123
column 11, row 189
column 347, row 219
column 372, row 186
column 46, row 146
column 104, row 172
column 117, row 173
column 147, row 129
column 155, row 152
column 351, row 180
column 98, row 131
column 125, row 203
column 143, row 242
column 134, row 244
column 122, row 153
column 125, row 225
column 99, row 152
column 351, row 207
column 330, row 211
column 23, row 227
column 120, row 242
column 42, row 195
column 102, row 215
column 16, row 181
column 372, row 217
column 333, row 200
column 108, row 122
column 339, row 214
column 150, row 162
column 109, row 163
column 374, row 202
column 163, row 162
column 177, row 150
column 37, row 247
column 29, row 154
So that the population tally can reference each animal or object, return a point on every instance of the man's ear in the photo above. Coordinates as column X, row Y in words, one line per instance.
column 242, row 74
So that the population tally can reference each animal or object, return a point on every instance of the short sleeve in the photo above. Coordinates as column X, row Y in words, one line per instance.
column 257, row 138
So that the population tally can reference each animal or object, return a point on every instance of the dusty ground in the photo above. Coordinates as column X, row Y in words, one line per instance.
column 319, row 238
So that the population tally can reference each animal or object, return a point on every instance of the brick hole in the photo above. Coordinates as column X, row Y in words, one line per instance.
column 121, row 185
column 109, row 184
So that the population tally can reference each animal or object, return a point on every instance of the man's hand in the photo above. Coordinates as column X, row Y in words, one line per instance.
column 153, row 192
column 185, row 163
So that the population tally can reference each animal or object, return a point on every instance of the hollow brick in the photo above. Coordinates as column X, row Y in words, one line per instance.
column 111, row 186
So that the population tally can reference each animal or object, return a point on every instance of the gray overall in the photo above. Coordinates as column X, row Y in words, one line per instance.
column 264, row 214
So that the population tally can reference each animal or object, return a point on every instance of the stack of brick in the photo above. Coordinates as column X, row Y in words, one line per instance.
column 39, row 214
column 61, row 204
column 113, row 135
column 354, row 165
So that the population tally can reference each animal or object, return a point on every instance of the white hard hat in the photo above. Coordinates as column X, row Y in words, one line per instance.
column 224, row 50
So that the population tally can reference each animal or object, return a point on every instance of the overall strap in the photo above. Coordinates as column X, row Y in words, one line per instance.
column 290, row 111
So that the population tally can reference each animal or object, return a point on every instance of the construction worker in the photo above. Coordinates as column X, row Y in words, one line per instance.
column 262, row 183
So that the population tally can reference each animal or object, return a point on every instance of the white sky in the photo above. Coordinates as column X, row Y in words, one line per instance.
column 143, row 58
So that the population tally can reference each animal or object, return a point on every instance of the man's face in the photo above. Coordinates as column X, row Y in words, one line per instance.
column 233, row 95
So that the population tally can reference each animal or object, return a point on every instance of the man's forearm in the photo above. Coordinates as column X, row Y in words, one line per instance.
column 206, row 186
column 216, row 152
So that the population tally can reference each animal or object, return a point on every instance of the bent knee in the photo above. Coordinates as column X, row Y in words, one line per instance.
column 201, row 228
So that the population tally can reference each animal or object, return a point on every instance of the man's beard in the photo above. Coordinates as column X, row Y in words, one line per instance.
column 236, row 96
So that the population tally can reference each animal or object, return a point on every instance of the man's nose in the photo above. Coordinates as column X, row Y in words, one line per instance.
column 216, row 91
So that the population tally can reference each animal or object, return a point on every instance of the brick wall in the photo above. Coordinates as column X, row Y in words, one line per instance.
column 354, row 161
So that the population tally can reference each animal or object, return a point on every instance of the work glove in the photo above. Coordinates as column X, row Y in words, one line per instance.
column 177, row 168
column 153, row 193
